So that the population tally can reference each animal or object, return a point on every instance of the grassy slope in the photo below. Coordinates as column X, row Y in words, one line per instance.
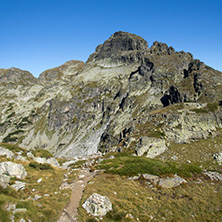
column 47, row 208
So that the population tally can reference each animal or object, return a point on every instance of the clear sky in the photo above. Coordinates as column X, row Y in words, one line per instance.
column 36, row 35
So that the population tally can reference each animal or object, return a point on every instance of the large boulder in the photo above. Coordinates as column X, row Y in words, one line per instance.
column 151, row 146
column 170, row 182
column 97, row 205
column 6, row 152
column 13, row 170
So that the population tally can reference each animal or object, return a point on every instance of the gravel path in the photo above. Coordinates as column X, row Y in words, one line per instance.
column 70, row 212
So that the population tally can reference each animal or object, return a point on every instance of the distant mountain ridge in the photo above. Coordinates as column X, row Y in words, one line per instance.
column 125, row 97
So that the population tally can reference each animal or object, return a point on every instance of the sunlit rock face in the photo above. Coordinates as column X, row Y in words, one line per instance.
column 124, row 92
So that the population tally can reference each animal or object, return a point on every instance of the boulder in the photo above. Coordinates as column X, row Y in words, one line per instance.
column 21, row 158
column 149, row 176
column 4, row 181
column 218, row 157
column 213, row 175
column 52, row 161
column 152, row 146
column 13, row 170
column 97, row 205
column 18, row 185
column 169, row 182
column 6, row 152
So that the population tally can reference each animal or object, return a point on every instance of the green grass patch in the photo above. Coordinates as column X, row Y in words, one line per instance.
column 40, row 166
column 127, row 165
column 13, row 148
column 42, row 153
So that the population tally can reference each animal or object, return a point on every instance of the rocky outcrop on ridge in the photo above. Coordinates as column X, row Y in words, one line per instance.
column 125, row 91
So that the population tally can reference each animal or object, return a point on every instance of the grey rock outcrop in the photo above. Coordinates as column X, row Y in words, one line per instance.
column 213, row 175
column 97, row 205
column 13, row 170
column 169, row 182
column 218, row 157
column 117, row 43
column 6, row 152
column 52, row 161
column 151, row 146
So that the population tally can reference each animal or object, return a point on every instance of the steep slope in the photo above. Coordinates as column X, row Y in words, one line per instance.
column 125, row 96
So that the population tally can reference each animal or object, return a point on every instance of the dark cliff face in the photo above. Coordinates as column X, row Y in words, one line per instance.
column 117, row 43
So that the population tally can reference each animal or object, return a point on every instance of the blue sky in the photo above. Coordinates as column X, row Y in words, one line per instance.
column 36, row 35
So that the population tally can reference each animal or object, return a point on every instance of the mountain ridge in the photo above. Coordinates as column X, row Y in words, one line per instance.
column 80, row 108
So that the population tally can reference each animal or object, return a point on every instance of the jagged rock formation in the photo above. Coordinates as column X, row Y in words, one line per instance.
column 125, row 91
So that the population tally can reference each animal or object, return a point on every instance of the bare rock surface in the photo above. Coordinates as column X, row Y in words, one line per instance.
column 169, row 182
column 6, row 152
column 213, row 175
column 18, row 185
column 97, row 205
column 13, row 170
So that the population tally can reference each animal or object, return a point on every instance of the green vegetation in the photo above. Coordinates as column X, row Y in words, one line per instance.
column 128, row 165
column 210, row 107
column 13, row 148
column 42, row 153
column 40, row 166
column 48, row 208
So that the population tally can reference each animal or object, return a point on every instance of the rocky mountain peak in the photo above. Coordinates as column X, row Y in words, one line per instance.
column 160, row 48
column 16, row 75
column 119, row 42
column 63, row 72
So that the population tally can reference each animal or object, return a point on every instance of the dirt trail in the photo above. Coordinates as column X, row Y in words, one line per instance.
column 70, row 213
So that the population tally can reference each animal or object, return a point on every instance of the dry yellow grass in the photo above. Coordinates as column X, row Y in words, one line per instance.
column 190, row 202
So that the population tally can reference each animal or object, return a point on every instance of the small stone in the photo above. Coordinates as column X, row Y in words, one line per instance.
column 18, row 185
column 46, row 195
column 30, row 155
column 129, row 216
column 19, row 210
column 81, row 176
column 213, row 175
column 39, row 180
column 11, row 207
column 22, row 220
column 149, row 176
column 37, row 197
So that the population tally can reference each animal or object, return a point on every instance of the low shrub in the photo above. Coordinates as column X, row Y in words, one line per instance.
column 133, row 165
column 40, row 166
column 42, row 153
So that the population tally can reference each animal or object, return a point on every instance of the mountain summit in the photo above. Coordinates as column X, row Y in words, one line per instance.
column 125, row 97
